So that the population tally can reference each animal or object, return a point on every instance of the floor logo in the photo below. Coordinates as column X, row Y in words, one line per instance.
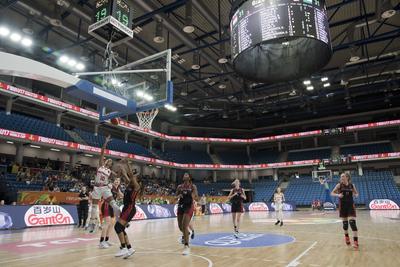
column 244, row 240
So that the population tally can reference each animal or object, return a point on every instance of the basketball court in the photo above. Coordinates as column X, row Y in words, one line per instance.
column 306, row 239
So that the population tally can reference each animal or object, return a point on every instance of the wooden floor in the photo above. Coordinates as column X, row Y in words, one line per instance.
column 318, row 242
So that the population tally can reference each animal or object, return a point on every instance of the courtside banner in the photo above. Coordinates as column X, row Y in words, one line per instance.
column 19, row 217
column 384, row 204
column 270, row 206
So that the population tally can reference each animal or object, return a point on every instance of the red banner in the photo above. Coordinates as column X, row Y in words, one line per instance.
column 393, row 155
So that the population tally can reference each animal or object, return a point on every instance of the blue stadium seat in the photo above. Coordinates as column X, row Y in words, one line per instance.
column 310, row 154
column 20, row 123
column 366, row 149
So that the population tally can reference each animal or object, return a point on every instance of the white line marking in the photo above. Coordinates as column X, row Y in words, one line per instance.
column 295, row 262
column 210, row 263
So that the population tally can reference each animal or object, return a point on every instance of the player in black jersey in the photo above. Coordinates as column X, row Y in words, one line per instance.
column 186, row 193
column 128, row 211
column 236, row 196
column 345, row 190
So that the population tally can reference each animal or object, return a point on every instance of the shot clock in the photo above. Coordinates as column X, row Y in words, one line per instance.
column 112, row 20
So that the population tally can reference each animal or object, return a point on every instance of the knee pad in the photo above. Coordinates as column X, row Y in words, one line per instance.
column 345, row 225
column 119, row 228
column 353, row 225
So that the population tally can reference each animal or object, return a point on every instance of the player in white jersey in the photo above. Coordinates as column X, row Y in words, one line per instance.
column 279, row 198
column 101, row 188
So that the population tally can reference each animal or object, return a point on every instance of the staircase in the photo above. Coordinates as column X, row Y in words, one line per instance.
column 283, row 157
column 76, row 137
column 215, row 158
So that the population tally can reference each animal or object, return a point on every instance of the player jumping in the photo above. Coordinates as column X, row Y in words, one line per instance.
column 101, row 188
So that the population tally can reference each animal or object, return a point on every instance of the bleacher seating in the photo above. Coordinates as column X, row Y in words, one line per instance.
column 264, row 156
column 233, row 157
column 185, row 157
column 115, row 144
column 310, row 154
column 264, row 190
column 372, row 185
column 366, row 149
column 20, row 123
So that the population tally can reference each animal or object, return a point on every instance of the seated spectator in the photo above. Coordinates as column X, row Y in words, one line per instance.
column 2, row 203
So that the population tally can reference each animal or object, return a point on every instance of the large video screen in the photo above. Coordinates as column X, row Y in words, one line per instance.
column 257, row 21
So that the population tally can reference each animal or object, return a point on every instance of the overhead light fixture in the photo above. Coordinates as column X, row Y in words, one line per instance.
column 222, row 86
column 26, row 42
column 386, row 9
column 89, row 155
column 27, row 28
column 55, row 149
column 170, row 107
column 158, row 167
column 188, row 27
column 15, row 37
column 310, row 88
column 85, row 55
column 222, row 54
column 10, row 142
column 35, row 146
column 72, row 63
column 324, row 79
column 196, row 61
column 4, row 31
column 64, row 59
column 154, row 76
column 293, row 92
column 159, row 33
column 80, row 66
column 55, row 20
column 327, row 84
column 307, row 82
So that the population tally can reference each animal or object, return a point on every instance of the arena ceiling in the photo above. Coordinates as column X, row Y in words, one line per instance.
column 215, row 96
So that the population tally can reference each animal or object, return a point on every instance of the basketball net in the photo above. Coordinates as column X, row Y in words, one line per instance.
column 146, row 118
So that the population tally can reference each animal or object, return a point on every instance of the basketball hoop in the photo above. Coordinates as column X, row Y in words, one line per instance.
column 146, row 118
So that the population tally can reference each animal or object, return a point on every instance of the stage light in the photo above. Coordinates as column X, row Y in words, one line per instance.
column 4, row 31
column 72, row 63
column 327, row 84
column 307, row 82
column 64, row 59
column 26, row 42
column 310, row 88
column 324, row 79
column 80, row 66
column 15, row 37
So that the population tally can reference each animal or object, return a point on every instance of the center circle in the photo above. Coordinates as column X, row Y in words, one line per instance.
column 244, row 240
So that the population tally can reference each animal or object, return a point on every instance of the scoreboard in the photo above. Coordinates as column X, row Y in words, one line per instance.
column 258, row 21
column 112, row 19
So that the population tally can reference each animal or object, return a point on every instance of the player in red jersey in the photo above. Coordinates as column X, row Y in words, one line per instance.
column 237, row 196
column 345, row 190
column 128, row 211
column 186, row 193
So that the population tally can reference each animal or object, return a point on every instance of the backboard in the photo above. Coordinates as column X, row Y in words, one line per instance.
column 136, row 87
column 322, row 176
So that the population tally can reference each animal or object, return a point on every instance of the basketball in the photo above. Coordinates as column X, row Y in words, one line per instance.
column 115, row 121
